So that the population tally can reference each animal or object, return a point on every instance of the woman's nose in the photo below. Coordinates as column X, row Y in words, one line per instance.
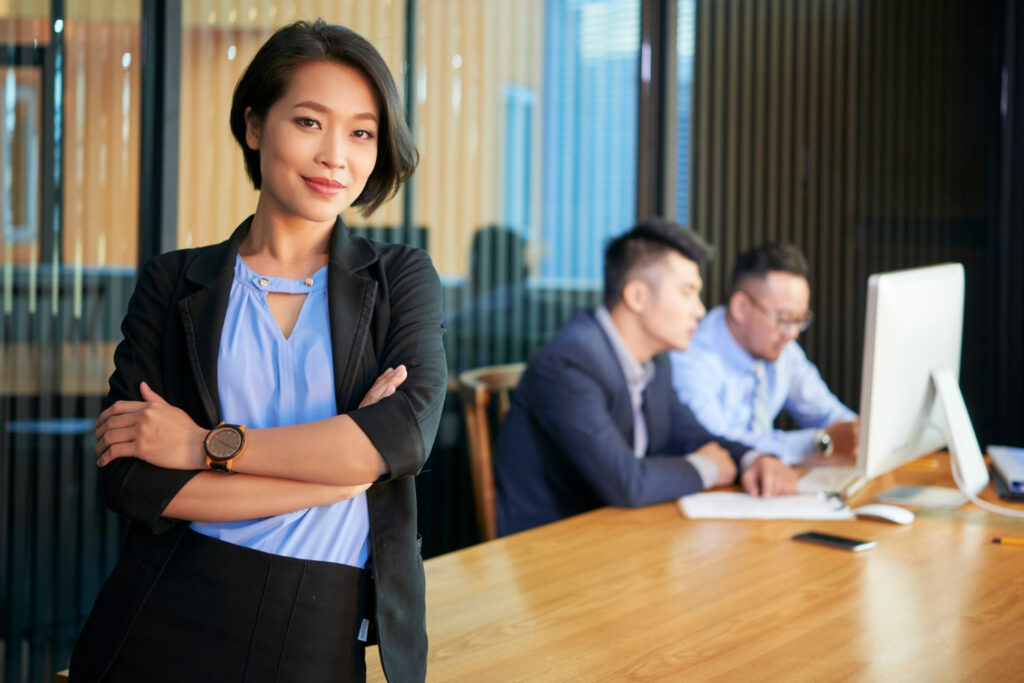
column 332, row 152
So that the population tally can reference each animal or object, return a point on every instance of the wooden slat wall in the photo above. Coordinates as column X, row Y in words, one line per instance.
column 858, row 131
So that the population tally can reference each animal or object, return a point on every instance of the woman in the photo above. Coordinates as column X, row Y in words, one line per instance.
column 276, row 550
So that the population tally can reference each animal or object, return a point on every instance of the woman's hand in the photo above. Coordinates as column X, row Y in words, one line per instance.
column 385, row 385
column 152, row 430
column 347, row 492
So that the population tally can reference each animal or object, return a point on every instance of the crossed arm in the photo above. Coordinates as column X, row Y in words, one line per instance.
column 274, row 476
column 150, row 452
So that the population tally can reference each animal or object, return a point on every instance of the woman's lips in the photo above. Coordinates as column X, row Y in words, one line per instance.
column 324, row 185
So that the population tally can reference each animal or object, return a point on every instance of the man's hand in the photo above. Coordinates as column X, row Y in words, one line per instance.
column 844, row 437
column 768, row 477
column 385, row 386
column 723, row 461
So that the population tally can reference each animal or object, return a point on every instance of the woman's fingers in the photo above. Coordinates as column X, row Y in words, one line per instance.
column 118, row 450
column 385, row 385
column 348, row 492
column 117, row 437
column 149, row 395
column 120, row 408
column 116, row 422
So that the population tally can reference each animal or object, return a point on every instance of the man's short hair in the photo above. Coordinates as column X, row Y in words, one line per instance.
column 647, row 242
column 757, row 263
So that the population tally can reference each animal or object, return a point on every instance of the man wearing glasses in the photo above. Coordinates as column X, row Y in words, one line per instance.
column 744, row 365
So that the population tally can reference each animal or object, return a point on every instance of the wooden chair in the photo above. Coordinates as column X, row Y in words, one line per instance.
column 477, row 388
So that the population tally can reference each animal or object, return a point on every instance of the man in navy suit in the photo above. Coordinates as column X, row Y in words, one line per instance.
column 595, row 420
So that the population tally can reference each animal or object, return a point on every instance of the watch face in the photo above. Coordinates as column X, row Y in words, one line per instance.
column 223, row 443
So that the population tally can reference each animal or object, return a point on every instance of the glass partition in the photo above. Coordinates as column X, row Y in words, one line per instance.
column 526, row 118
column 69, row 158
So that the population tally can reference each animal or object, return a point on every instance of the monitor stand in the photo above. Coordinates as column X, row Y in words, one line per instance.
column 963, row 443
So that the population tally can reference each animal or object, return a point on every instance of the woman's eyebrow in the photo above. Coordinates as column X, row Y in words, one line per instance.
column 316, row 106
column 367, row 115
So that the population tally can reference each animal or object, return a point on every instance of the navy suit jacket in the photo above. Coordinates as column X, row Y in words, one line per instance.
column 567, row 444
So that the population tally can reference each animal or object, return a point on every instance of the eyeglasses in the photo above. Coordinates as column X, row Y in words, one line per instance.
column 783, row 324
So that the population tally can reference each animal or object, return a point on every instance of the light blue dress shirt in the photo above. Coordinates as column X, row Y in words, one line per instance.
column 266, row 380
column 715, row 378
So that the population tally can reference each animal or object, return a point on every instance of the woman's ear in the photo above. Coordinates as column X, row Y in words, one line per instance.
column 253, row 126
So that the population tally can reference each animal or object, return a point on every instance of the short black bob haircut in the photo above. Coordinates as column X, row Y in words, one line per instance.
column 266, row 79
column 757, row 263
column 648, row 241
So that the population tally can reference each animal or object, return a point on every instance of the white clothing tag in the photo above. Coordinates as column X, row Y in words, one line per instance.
column 364, row 629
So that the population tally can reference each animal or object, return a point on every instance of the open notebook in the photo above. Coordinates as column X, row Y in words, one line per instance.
column 726, row 505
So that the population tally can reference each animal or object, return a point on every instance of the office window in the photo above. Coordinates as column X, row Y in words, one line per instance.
column 526, row 121
column 686, row 38
column 590, row 117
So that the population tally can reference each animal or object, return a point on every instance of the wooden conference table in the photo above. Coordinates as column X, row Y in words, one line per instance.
column 645, row 594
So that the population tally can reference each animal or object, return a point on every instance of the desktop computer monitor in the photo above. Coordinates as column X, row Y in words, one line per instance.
column 910, row 399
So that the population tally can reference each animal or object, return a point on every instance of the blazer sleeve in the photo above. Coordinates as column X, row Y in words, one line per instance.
column 688, row 434
column 402, row 427
column 569, row 402
column 132, row 487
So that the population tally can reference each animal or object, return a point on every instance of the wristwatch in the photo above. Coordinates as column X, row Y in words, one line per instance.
column 223, row 444
column 823, row 443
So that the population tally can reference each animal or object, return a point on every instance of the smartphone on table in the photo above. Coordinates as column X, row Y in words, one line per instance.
column 854, row 544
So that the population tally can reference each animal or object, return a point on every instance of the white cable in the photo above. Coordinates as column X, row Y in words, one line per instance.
column 955, row 467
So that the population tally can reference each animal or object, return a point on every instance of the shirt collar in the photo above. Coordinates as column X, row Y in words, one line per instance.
column 723, row 341
column 637, row 376
column 317, row 282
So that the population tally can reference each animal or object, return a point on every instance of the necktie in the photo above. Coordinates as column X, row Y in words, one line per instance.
column 760, row 418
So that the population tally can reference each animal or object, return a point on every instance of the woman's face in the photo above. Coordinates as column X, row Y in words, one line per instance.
column 317, row 144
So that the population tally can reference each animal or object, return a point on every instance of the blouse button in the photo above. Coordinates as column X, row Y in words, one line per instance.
column 264, row 282
column 309, row 282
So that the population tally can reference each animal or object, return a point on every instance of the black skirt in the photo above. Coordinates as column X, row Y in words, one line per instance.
column 222, row 612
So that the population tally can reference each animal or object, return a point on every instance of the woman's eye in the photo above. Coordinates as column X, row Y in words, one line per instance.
column 307, row 123
column 364, row 134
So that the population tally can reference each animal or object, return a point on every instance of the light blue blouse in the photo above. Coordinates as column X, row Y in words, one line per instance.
column 265, row 380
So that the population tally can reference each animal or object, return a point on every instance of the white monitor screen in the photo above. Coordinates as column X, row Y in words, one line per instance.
column 914, row 326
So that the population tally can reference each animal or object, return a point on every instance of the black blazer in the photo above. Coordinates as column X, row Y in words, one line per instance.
column 385, row 310
column 567, row 444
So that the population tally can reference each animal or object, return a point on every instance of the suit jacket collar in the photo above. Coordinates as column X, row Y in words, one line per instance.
column 655, row 394
column 350, row 295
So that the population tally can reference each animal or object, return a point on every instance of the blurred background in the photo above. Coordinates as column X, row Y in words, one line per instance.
column 875, row 134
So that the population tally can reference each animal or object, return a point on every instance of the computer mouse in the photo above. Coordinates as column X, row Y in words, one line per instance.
column 889, row 513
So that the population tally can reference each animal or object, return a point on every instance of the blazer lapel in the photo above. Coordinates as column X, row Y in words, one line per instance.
column 202, row 315
column 351, row 297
